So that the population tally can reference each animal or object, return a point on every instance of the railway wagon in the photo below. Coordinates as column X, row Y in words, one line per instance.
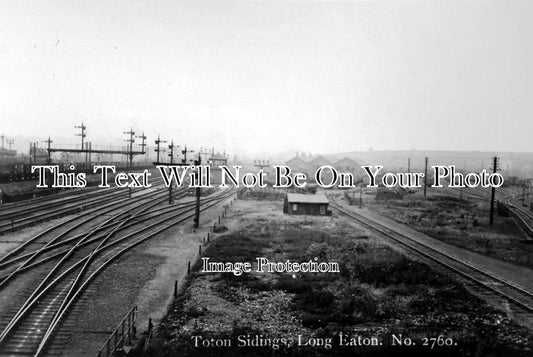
column 22, row 171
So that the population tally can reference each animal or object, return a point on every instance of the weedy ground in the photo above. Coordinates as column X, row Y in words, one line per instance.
column 378, row 292
column 461, row 222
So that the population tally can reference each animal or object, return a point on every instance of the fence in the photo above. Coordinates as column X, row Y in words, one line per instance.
column 351, row 199
column 121, row 336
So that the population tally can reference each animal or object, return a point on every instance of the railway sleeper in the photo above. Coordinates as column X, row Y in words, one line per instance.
column 21, row 335
column 28, row 329
column 21, row 347
column 44, row 312
column 38, row 324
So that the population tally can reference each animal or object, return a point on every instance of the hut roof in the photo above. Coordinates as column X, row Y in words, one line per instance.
column 299, row 198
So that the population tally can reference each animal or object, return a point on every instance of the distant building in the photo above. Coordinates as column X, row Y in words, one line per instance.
column 346, row 165
column 306, row 204
column 298, row 164
column 308, row 163
column 215, row 162
column 319, row 161
column 7, row 152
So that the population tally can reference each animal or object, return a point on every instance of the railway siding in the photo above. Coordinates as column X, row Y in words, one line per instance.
column 29, row 313
column 519, row 275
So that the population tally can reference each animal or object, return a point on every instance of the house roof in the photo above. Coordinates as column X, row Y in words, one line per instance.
column 296, row 159
column 217, row 156
column 346, row 161
column 320, row 160
column 299, row 198
column 308, row 161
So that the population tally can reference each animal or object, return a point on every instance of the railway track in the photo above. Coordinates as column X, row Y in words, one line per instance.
column 524, row 217
column 484, row 282
column 66, row 195
column 31, row 330
column 20, row 216
column 62, row 195
column 51, row 246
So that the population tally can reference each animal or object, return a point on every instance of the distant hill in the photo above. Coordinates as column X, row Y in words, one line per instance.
column 511, row 163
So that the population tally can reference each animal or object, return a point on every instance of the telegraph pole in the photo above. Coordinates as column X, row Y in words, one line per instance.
column 171, row 154
column 409, row 165
column 426, row 177
column 184, row 152
column 361, row 196
column 158, row 142
column 83, row 135
column 143, row 143
column 461, row 189
column 197, row 163
column 493, row 194
column 158, row 150
column 31, row 153
column 9, row 142
column 131, row 140
column 49, row 161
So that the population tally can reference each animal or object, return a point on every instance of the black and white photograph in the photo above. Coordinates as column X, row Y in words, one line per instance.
column 266, row 178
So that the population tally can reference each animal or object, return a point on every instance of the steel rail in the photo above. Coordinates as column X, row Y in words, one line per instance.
column 125, row 200
column 102, row 242
column 61, row 206
column 61, row 224
column 39, row 290
column 519, row 213
column 38, row 294
column 92, row 240
column 109, row 260
column 62, row 196
column 23, row 309
column 381, row 229
column 54, row 245
column 97, row 229
column 7, row 224
column 8, row 209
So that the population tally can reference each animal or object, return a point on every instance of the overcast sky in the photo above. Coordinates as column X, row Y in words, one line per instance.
column 263, row 75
